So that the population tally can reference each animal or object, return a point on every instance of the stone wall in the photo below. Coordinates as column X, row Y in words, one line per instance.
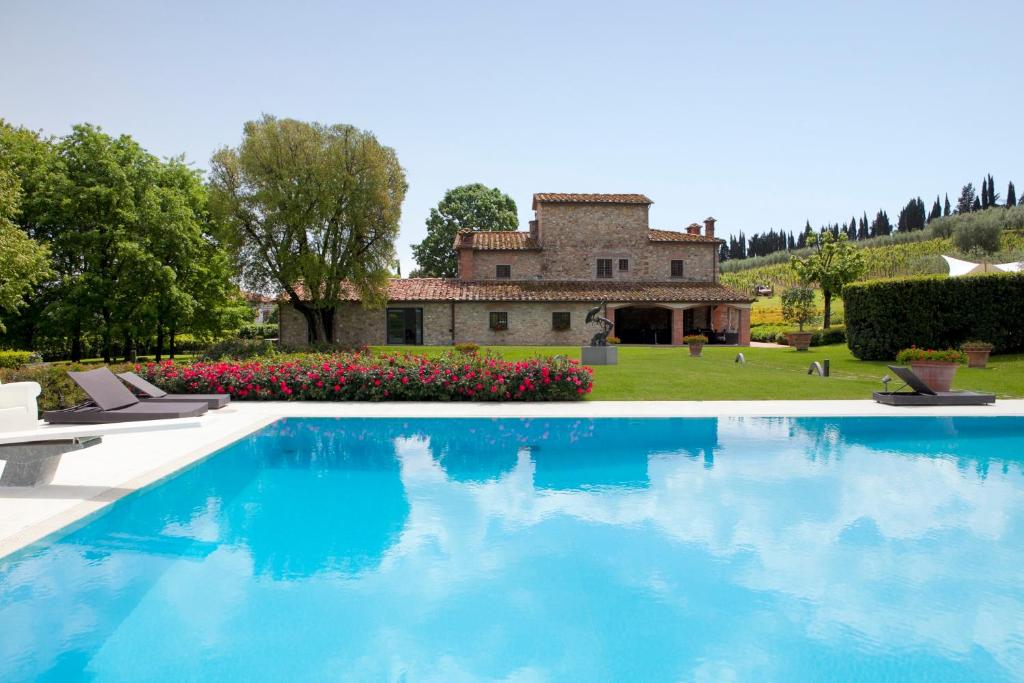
column 355, row 326
column 574, row 236
column 528, row 323
column 526, row 265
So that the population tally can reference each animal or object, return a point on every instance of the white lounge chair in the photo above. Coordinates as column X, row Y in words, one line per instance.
column 18, row 409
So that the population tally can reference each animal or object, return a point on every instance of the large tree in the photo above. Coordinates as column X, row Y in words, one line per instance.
column 473, row 207
column 24, row 263
column 833, row 263
column 307, row 208
column 1011, row 195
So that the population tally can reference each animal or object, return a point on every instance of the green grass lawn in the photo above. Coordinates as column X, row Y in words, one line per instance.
column 649, row 374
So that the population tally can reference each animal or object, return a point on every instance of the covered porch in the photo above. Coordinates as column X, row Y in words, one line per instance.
column 668, row 323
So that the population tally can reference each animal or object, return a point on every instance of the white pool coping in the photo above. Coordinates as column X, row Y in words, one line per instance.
column 131, row 458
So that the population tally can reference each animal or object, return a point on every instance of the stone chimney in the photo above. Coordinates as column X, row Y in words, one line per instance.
column 693, row 229
column 533, row 230
column 709, row 227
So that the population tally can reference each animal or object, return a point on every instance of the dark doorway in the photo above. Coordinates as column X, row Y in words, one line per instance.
column 405, row 326
column 643, row 325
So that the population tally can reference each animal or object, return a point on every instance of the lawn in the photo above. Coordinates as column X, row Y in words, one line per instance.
column 650, row 373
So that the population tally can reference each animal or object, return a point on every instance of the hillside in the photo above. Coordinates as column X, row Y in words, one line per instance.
column 914, row 253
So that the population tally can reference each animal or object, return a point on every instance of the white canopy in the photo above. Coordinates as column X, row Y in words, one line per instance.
column 959, row 267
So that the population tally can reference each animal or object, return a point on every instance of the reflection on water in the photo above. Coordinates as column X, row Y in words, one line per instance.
column 787, row 549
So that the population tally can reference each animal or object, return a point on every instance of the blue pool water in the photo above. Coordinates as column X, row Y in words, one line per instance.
column 540, row 550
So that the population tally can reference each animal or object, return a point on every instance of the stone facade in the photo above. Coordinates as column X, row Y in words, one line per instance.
column 554, row 269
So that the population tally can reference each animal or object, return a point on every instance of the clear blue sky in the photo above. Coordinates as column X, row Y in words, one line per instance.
column 760, row 114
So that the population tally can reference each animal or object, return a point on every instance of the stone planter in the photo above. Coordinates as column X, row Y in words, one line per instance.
column 801, row 341
column 938, row 375
column 599, row 355
column 977, row 357
column 695, row 350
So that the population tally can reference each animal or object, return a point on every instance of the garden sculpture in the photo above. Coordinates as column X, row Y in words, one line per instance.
column 594, row 316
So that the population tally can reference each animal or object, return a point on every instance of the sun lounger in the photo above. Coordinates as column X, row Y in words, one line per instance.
column 922, row 395
column 152, row 392
column 112, row 402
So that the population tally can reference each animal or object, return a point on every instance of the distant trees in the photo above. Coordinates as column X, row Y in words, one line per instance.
column 474, row 207
column 913, row 216
column 305, row 207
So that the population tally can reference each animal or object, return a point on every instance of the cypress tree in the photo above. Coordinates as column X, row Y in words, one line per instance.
column 946, row 208
column 977, row 205
column 936, row 210
column 993, row 196
column 1011, row 195
column 984, row 193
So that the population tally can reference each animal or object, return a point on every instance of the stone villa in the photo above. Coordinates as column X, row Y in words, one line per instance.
column 535, row 287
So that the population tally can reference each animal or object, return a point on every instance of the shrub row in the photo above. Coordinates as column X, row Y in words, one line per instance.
column 258, row 331
column 384, row 377
column 934, row 312
column 16, row 359
column 777, row 334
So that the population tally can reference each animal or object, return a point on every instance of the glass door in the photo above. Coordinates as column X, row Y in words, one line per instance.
column 405, row 326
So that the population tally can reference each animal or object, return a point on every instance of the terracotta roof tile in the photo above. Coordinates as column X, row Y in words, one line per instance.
column 450, row 289
column 495, row 241
column 673, row 236
column 584, row 198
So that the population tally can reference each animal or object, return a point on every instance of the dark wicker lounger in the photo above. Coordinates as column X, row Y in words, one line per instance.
column 112, row 402
column 152, row 392
column 922, row 395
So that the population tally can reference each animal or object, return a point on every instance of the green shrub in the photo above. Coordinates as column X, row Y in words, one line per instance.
column 238, row 349
column 833, row 335
column 16, row 359
column 467, row 348
column 936, row 312
column 257, row 331
column 767, row 333
column 914, row 354
column 977, row 237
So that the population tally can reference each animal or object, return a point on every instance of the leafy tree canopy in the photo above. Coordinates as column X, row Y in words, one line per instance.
column 473, row 207
column 305, row 207
column 833, row 263
column 23, row 262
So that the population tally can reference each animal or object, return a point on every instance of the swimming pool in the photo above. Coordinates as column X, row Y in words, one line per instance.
column 547, row 549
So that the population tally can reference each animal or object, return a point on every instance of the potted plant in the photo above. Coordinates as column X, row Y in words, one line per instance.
column 935, row 368
column 977, row 353
column 696, row 343
column 798, row 307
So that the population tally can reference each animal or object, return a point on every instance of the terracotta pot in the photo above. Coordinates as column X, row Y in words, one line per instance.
column 977, row 358
column 937, row 375
column 801, row 341
column 695, row 350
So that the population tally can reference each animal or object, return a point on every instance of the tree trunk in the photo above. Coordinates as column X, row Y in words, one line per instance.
column 159, row 339
column 170, row 353
column 128, row 343
column 319, row 323
column 76, row 342
column 107, row 340
column 827, row 320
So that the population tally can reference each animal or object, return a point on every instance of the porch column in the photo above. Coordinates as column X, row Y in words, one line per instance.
column 744, row 339
column 677, row 327
column 610, row 314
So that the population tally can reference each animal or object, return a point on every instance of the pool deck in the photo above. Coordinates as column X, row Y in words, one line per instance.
column 128, row 459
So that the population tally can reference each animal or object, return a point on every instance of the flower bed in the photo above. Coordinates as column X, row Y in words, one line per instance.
column 383, row 377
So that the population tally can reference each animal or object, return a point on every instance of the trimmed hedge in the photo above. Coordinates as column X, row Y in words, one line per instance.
column 934, row 312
